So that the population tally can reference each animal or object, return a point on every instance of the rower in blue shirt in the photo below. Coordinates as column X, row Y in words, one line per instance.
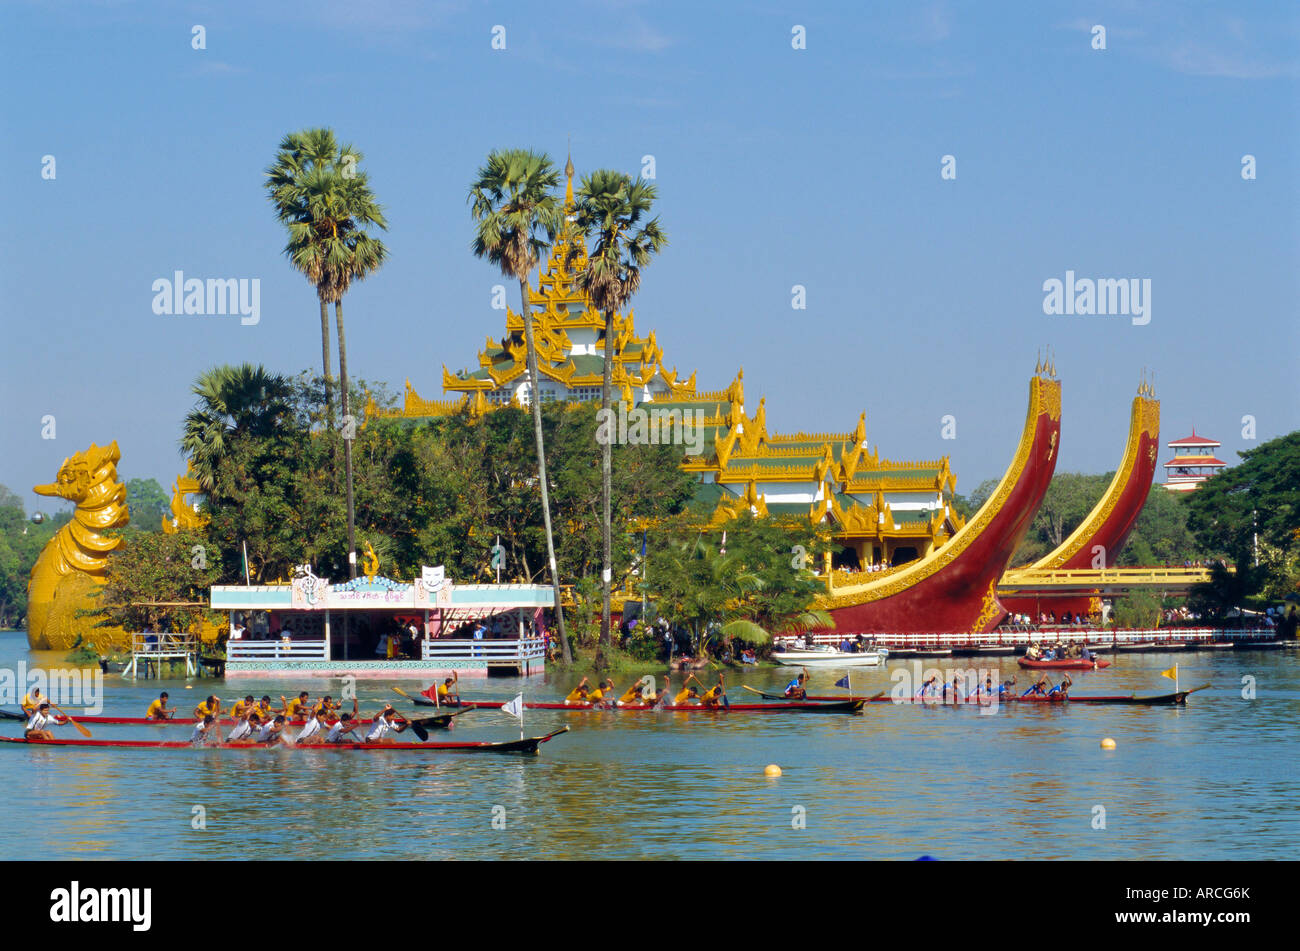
column 795, row 689
column 1037, row 689
column 927, row 687
column 1063, row 688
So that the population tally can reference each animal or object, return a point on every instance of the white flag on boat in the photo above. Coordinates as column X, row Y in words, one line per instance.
column 515, row 707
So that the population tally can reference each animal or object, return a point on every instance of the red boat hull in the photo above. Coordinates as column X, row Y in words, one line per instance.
column 955, row 587
column 526, row 745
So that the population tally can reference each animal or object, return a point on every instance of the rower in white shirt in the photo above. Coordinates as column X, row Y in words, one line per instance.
column 383, row 725
column 310, row 733
column 341, row 731
column 243, row 731
column 272, row 732
column 38, row 727
column 203, row 730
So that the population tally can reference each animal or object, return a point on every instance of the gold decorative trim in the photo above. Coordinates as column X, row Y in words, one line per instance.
column 1144, row 420
column 1041, row 392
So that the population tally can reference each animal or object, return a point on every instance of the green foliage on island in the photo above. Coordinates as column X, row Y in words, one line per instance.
column 756, row 584
column 1251, row 512
column 21, row 541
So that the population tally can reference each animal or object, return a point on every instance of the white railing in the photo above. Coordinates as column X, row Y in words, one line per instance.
column 493, row 651
column 241, row 650
column 162, row 644
column 1020, row 638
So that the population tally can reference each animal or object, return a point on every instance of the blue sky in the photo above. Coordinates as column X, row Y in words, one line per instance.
column 775, row 167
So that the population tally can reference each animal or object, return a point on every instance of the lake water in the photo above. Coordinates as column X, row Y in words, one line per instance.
column 1213, row 780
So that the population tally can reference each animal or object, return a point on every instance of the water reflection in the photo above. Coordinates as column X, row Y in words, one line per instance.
column 1213, row 780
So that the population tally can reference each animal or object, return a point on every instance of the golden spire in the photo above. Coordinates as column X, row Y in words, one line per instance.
column 568, row 174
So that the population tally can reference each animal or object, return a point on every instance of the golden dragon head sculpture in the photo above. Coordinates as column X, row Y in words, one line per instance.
column 89, row 479
column 77, row 555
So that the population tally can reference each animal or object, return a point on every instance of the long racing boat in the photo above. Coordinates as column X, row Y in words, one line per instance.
column 527, row 745
column 830, row 705
column 1164, row 699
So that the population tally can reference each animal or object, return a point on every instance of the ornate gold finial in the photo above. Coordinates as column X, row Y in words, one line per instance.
column 1038, row 364
column 568, row 174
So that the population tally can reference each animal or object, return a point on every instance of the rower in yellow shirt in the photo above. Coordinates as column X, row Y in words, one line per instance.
column 295, row 709
column 716, row 696
column 449, row 689
column 685, row 695
column 603, row 693
column 579, row 693
column 643, row 691
column 242, row 708
column 32, row 701
column 209, row 707
column 158, row 710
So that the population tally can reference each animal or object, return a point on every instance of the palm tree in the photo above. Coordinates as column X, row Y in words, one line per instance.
column 233, row 400
column 303, row 157
column 327, row 204
column 610, row 207
column 517, row 216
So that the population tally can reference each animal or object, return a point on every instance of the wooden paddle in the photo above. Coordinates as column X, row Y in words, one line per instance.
column 80, row 729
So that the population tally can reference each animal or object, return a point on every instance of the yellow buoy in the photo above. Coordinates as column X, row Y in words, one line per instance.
column 772, row 770
column 189, row 687
column 1108, row 744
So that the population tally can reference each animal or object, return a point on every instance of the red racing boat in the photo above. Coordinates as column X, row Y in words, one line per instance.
column 836, row 705
column 527, row 745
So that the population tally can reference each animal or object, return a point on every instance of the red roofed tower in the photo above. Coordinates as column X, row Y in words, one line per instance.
column 1193, row 462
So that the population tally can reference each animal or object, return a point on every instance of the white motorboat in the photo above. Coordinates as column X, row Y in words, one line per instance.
column 830, row 658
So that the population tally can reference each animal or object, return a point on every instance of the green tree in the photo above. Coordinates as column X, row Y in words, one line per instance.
column 233, row 400
column 148, row 504
column 611, row 208
column 517, row 217
column 1252, row 512
column 156, row 569
column 756, row 585
column 21, row 543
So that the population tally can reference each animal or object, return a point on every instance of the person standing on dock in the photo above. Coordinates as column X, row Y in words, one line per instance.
column 158, row 710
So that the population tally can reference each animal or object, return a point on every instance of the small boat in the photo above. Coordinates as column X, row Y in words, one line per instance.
column 1215, row 646
column 528, row 745
column 1144, row 646
column 837, row 705
column 995, row 649
column 830, row 658
column 1068, row 663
